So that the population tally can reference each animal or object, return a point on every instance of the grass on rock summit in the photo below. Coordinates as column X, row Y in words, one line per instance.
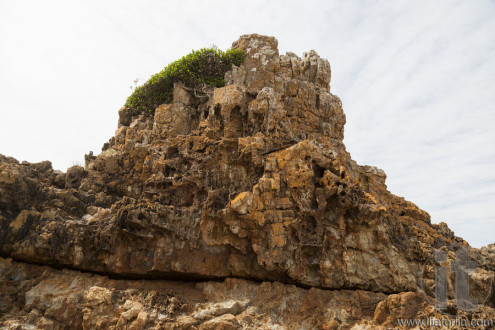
column 201, row 68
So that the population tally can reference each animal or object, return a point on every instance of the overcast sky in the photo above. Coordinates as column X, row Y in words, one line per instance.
column 416, row 78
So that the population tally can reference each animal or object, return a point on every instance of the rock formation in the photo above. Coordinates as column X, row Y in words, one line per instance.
column 242, row 210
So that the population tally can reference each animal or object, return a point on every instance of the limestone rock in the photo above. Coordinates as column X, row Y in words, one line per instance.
column 249, row 185
column 125, row 118
column 74, row 176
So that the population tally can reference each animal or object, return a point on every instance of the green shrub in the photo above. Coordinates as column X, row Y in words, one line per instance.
column 204, row 67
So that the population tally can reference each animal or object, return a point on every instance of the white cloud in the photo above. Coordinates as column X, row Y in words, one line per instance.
column 416, row 80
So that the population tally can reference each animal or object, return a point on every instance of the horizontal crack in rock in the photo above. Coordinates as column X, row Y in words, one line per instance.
column 181, row 277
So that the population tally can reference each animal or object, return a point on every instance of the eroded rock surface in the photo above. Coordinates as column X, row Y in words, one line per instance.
column 252, row 183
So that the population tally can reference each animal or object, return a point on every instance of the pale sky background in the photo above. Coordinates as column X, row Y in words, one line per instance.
column 416, row 78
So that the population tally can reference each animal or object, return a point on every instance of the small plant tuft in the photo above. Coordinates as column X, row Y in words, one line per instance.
column 201, row 68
